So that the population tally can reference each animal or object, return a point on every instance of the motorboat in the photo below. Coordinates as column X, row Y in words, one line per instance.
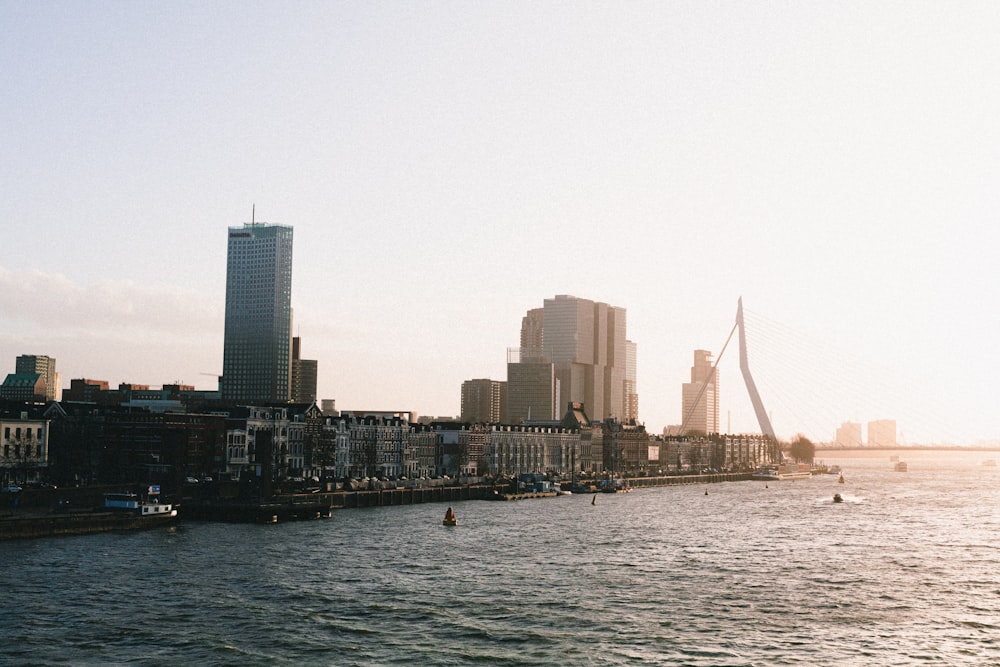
column 900, row 466
column 837, row 498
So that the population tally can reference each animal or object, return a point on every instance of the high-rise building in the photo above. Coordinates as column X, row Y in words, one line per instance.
column 44, row 366
column 585, row 341
column 532, row 325
column 484, row 401
column 256, row 362
column 304, row 376
column 532, row 387
column 849, row 435
column 700, row 397
column 631, row 393
column 882, row 433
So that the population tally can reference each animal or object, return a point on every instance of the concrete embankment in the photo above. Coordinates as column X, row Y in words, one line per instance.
column 29, row 524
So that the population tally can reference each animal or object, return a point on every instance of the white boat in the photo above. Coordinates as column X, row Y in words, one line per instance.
column 783, row 472
column 132, row 503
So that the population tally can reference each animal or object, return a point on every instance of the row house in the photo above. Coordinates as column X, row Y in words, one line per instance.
column 257, row 442
column 24, row 448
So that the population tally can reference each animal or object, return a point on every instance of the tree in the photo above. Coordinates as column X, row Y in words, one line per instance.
column 802, row 449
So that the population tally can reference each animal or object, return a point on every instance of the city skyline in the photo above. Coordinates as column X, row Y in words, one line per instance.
column 446, row 169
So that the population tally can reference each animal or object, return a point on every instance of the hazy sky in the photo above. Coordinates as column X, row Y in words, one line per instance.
column 448, row 166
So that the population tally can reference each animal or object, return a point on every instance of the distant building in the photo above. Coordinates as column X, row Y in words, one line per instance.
column 849, row 435
column 484, row 401
column 304, row 376
column 256, row 362
column 44, row 366
column 700, row 397
column 532, row 387
column 882, row 433
column 630, row 391
column 84, row 391
column 26, row 387
column 585, row 341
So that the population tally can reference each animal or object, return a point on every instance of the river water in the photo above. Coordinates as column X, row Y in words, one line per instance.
column 905, row 572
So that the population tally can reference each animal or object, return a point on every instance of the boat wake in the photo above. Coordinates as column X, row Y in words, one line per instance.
column 840, row 499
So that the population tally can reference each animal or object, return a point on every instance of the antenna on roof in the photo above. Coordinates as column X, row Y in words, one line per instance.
column 253, row 213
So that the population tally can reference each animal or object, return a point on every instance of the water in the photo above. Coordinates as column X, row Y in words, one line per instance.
column 905, row 572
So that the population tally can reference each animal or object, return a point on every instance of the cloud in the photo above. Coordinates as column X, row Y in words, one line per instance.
column 36, row 301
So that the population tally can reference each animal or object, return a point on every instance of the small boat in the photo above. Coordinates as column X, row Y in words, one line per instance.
column 900, row 466
column 149, row 507
column 841, row 480
column 449, row 518
column 837, row 498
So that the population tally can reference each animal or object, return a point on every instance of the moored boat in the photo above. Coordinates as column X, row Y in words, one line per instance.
column 148, row 507
column 783, row 471
column 900, row 466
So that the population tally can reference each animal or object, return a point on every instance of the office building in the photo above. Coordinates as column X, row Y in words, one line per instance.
column 882, row 433
column 586, row 342
column 304, row 376
column 484, row 401
column 256, row 363
column 849, row 435
column 630, row 391
column 532, row 387
column 44, row 366
column 700, row 397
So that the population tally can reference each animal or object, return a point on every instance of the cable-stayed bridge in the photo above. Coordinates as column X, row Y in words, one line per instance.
column 780, row 382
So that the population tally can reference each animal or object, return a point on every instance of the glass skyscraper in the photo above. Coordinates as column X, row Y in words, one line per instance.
column 256, row 363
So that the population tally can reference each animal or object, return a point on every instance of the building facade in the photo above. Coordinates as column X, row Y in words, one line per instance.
column 484, row 401
column 849, row 435
column 533, row 390
column 256, row 364
column 24, row 449
column 44, row 366
column 586, row 342
column 304, row 376
column 882, row 433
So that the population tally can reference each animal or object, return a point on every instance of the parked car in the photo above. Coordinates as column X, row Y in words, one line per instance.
column 11, row 488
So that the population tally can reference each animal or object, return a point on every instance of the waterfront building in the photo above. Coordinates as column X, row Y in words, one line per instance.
column 304, row 376
column 700, row 397
column 44, row 366
column 24, row 449
column 256, row 364
column 849, row 435
column 626, row 447
column 882, row 433
column 484, row 401
column 258, row 444
column 513, row 450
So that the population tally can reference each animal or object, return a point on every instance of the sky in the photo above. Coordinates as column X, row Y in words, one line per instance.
column 448, row 166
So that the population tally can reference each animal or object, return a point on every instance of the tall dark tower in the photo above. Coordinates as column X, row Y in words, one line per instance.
column 256, row 362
